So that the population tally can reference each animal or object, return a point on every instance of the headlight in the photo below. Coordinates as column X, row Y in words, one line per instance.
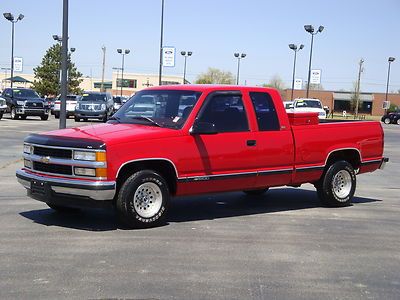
column 28, row 164
column 19, row 102
column 85, row 172
column 85, row 155
column 27, row 148
column 103, row 107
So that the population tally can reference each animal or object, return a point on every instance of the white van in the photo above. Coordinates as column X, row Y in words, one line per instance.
column 308, row 105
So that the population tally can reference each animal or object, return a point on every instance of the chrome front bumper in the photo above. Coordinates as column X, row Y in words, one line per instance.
column 95, row 190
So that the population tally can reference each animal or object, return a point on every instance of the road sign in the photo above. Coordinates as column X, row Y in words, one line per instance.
column 385, row 104
column 298, row 84
column 18, row 64
column 168, row 57
column 315, row 77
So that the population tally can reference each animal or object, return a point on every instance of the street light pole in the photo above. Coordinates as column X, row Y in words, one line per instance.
column 64, row 67
column 295, row 49
column 123, row 53
column 310, row 29
column 390, row 60
column 10, row 17
column 239, row 57
column 161, row 42
column 185, row 55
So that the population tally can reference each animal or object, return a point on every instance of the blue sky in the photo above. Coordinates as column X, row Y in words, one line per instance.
column 214, row 30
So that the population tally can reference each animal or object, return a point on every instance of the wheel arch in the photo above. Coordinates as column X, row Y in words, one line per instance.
column 165, row 167
column 351, row 155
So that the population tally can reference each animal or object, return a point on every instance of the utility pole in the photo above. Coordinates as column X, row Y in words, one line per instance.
column 104, row 66
column 360, row 70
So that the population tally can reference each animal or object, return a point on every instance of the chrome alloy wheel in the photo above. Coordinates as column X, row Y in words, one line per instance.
column 341, row 184
column 148, row 200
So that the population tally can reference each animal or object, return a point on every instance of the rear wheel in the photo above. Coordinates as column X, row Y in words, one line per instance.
column 1, row 115
column 257, row 192
column 398, row 121
column 56, row 115
column 386, row 121
column 23, row 117
column 143, row 200
column 338, row 184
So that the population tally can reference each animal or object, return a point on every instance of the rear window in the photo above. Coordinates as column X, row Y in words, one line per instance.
column 309, row 103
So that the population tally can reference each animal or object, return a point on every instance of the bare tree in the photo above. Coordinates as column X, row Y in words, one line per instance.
column 215, row 76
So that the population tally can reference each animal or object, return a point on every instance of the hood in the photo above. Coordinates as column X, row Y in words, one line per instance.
column 31, row 99
column 115, row 133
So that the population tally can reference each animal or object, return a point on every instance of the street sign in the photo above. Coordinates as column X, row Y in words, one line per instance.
column 168, row 57
column 315, row 77
column 298, row 84
column 18, row 64
column 385, row 104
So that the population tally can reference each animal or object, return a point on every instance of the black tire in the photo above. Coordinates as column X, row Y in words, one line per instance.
column 257, row 192
column 1, row 115
column 143, row 200
column 398, row 121
column 338, row 185
column 13, row 114
column 386, row 121
column 77, row 119
column 44, row 117
column 56, row 115
column 63, row 209
column 23, row 117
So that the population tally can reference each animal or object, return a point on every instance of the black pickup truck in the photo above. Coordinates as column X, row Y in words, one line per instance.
column 22, row 102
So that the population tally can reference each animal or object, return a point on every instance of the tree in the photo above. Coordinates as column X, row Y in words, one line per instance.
column 276, row 82
column 213, row 76
column 47, row 75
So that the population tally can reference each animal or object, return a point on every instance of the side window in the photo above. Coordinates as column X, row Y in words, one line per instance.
column 267, row 118
column 7, row 93
column 227, row 112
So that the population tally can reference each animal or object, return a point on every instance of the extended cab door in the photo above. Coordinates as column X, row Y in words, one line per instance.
column 274, row 141
column 223, row 159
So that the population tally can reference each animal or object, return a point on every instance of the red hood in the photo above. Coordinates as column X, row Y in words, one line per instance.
column 115, row 133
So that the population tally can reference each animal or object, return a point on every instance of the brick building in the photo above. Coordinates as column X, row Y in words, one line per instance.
column 371, row 103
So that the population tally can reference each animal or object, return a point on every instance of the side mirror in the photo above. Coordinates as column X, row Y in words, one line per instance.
column 203, row 128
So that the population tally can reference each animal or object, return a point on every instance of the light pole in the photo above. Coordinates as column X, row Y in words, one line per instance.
column 310, row 30
column 390, row 60
column 239, row 57
column 161, row 43
column 58, row 38
column 185, row 55
column 123, row 53
column 10, row 17
column 295, row 49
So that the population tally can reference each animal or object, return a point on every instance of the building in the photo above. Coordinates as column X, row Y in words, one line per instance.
column 370, row 103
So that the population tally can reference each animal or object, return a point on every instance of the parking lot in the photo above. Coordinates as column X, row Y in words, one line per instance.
column 226, row 246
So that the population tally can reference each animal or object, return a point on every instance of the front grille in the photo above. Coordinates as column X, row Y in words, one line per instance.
column 90, row 106
column 52, row 152
column 34, row 104
column 52, row 168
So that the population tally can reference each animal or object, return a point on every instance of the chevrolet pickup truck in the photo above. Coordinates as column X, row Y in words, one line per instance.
column 199, row 139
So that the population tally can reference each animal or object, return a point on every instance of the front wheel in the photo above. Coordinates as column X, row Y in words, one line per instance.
column 398, row 121
column 77, row 119
column 143, row 200
column 13, row 114
column 44, row 117
column 338, row 185
column 1, row 115
column 386, row 121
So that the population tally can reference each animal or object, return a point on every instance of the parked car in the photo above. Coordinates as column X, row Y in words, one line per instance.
column 94, row 105
column 23, row 102
column 71, row 102
column 391, row 118
column 3, row 106
column 118, row 102
column 308, row 105
column 288, row 104
column 227, row 138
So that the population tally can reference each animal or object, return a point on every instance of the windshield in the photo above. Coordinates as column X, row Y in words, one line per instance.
column 93, row 97
column 308, row 103
column 25, row 93
column 164, row 108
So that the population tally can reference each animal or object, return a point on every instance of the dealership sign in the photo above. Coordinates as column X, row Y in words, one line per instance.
column 168, row 57
column 18, row 64
column 298, row 84
column 315, row 77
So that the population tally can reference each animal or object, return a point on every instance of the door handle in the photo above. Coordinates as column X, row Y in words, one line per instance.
column 251, row 142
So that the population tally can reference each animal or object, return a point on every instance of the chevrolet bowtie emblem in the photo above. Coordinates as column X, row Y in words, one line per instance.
column 45, row 159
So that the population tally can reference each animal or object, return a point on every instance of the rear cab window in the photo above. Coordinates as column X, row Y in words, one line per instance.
column 267, row 118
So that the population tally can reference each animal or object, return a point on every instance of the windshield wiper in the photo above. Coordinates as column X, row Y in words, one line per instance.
column 150, row 120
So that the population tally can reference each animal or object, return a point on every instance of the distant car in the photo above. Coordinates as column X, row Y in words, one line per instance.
column 22, row 102
column 70, row 107
column 308, row 105
column 3, row 106
column 118, row 102
column 391, row 118
column 94, row 105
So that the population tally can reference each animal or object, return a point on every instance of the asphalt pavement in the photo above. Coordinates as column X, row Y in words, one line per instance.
column 283, row 245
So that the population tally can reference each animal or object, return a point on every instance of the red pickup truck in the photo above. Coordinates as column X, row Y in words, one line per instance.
column 192, row 139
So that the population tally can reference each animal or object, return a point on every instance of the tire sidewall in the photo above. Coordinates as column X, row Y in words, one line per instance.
column 386, row 121
column 328, row 191
column 125, row 201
